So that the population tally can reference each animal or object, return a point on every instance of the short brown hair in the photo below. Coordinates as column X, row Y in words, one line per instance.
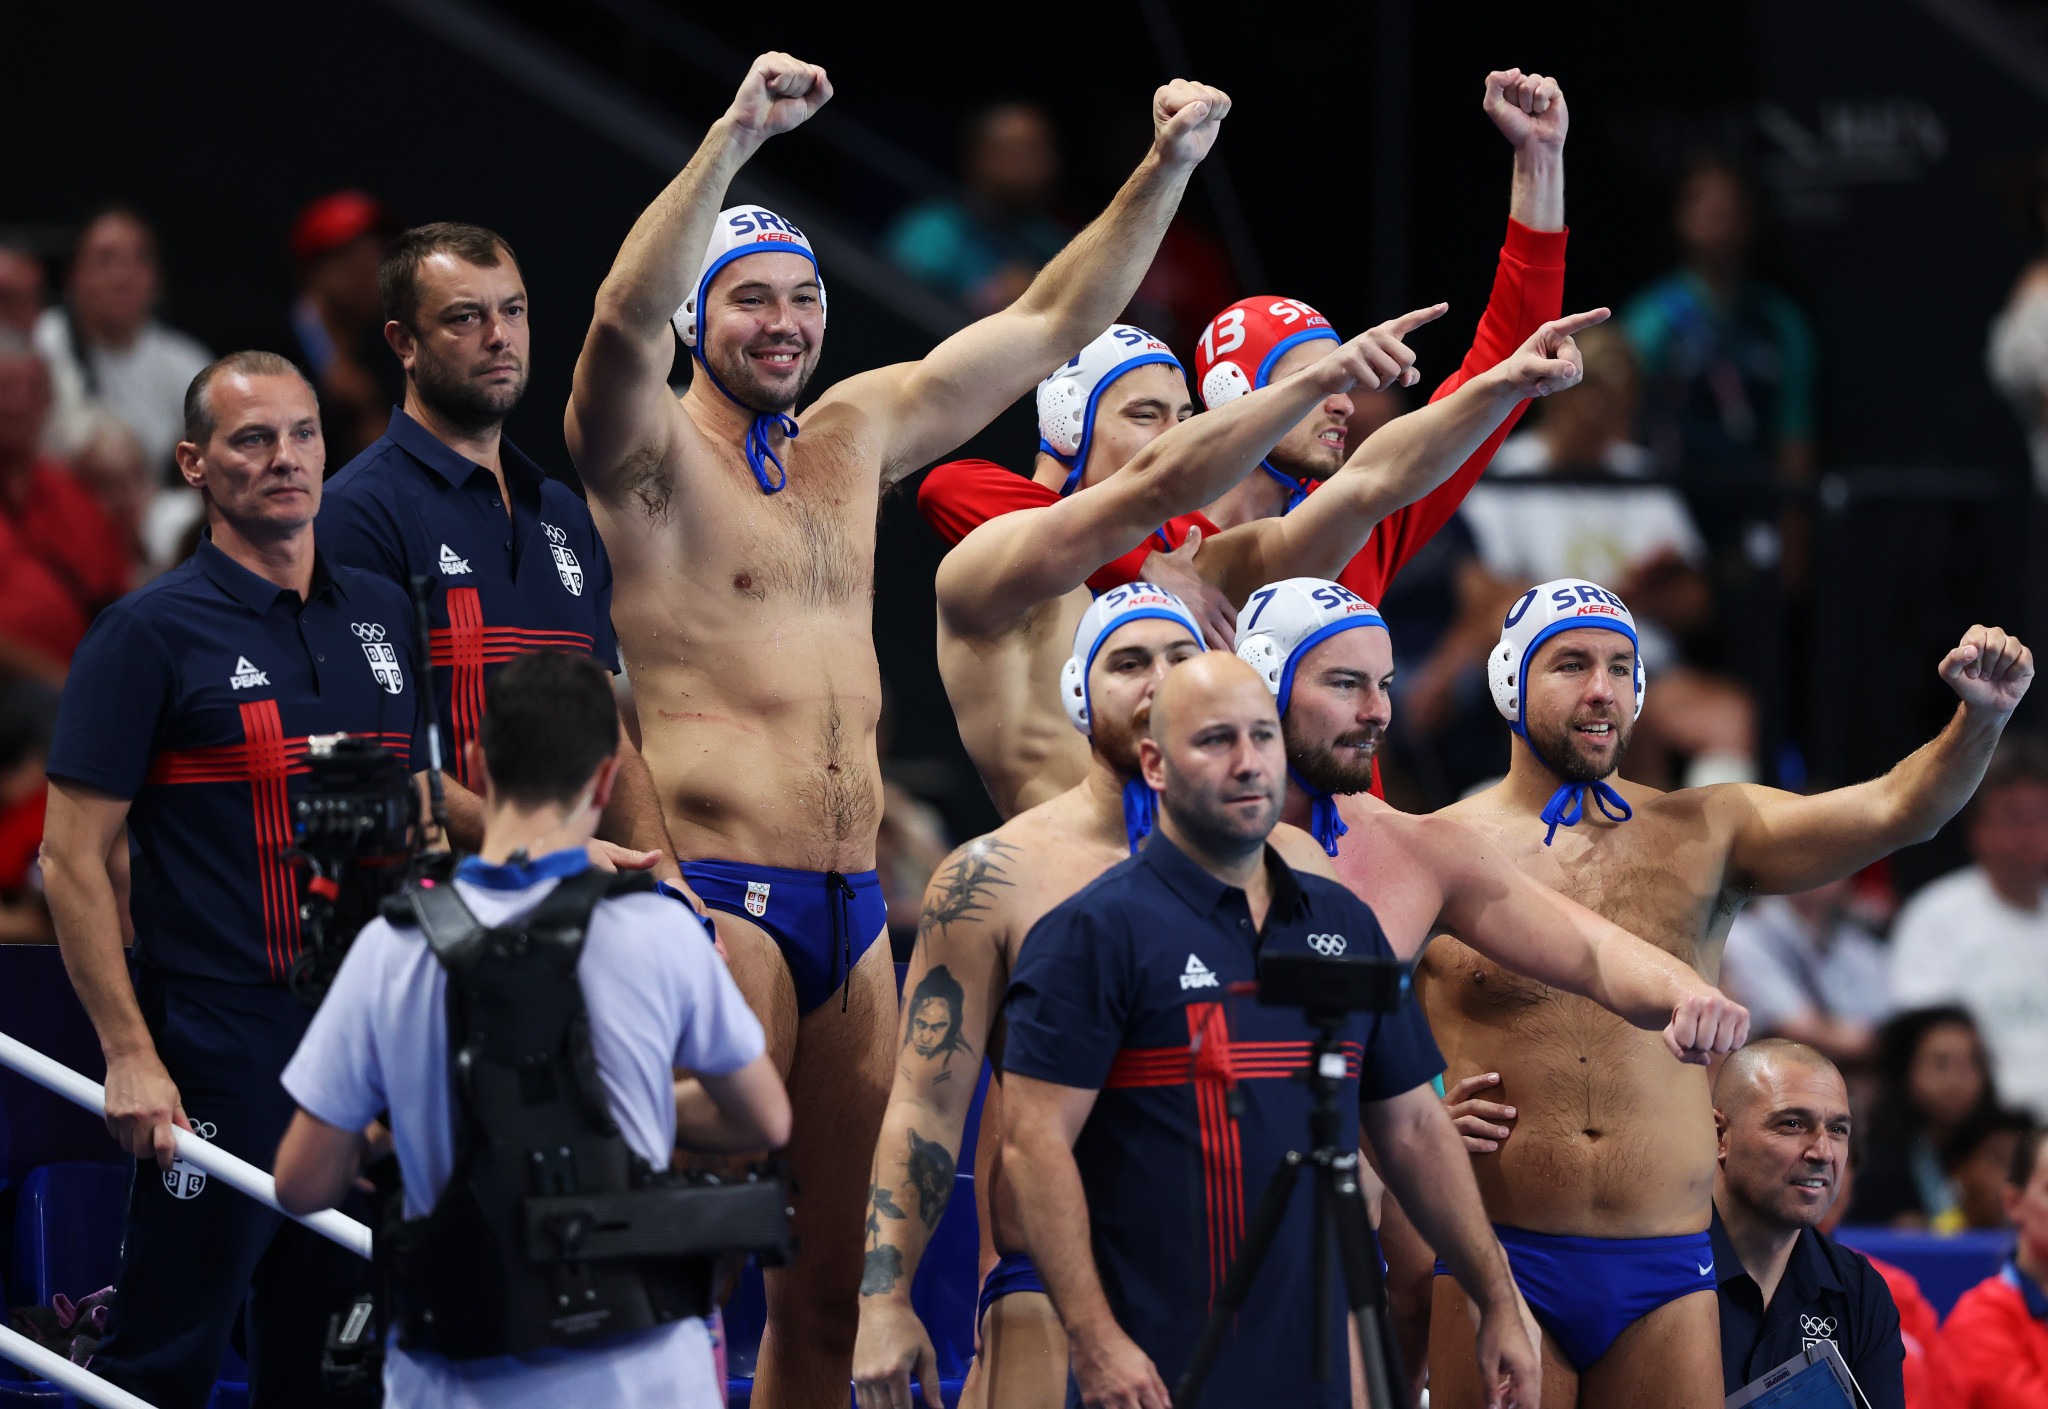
column 199, row 420
column 398, row 272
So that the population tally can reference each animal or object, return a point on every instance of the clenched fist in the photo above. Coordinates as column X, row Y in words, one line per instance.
column 1185, row 120
column 1989, row 669
column 1705, row 1024
column 779, row 93
column 1528, row 108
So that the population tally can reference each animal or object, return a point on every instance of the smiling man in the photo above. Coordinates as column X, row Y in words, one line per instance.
column 1781, row 1114
column 1602, row 1188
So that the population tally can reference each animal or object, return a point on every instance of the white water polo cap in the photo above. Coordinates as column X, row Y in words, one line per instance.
column 1067, row 399
column 1566, row 604
column 741, row 231
column 1284, row 621
column 1116, row 608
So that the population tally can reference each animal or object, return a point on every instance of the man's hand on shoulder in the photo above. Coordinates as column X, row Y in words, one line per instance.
column 778, row 94
column 1186, row 117
column 1528, row 108
column 1989, row 670
column 1176, row 572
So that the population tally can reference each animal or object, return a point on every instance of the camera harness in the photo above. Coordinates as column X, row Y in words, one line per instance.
column 551, row 1231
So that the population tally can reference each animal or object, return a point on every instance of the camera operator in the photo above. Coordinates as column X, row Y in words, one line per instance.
column 657, row 997
column 185, row 719
column 1141, row 1101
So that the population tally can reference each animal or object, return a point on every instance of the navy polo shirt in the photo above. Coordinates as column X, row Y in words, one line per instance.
column 539, row 580
column 1125, row 990
column 1828, row 1292
column 193, row 698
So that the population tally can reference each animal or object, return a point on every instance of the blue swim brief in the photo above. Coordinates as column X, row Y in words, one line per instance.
column 1014, row 1273
column 1587, row 1291
column 822, row 921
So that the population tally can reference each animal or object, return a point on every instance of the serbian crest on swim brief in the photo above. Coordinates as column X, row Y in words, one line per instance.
column 1817, row 1330
column 757, row 898
column 566, row 565
column 185, row 1181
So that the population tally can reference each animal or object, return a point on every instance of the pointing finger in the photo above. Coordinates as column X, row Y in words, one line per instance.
column 1576, row 323
column 1409, row 322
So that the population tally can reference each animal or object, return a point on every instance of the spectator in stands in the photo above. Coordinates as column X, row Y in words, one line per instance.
column 60, row 558
column 1729, row 359
column 2017, row 356
column 103, row 345
column 1809, row 969
column 28, row 712
column 1996, row 1342
column 1781, row 1112
column 1976, row 1159
column 1934, row 1078
column 1978, row 937
column 151, row 519
column 981, row 248
column 1569, row 499
column 337, row 321
column 21, row 288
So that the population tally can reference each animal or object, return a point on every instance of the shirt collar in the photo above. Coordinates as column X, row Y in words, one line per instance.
column 253, row 590
column 522, row 475
column 1203, row 892
column 523, row 875
column 1809, row 1266
column 2030, row 1291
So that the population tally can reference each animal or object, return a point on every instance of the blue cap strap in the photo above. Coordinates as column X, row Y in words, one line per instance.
column 1324, row 822
column 1568, row 804
column 1141, row 812
column 1295, row 493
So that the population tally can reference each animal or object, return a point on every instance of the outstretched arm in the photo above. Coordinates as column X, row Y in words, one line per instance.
column 1397, row 465
column 1007, row 567
column 920, row 410
column 952, row 992
column 1526, row 926
column 1783, row 843
column 1041, row 1121
column 619, row 403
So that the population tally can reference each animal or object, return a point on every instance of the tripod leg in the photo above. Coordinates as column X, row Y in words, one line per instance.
column 1365, row 1284
column 1237, row 1284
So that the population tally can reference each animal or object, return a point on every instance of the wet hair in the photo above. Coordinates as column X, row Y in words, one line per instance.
column 199, row 418
column 398, row 272
column 1898, row 1044
column 549, row 722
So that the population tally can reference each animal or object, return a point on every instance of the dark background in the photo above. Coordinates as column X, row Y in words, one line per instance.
column 1887, row 137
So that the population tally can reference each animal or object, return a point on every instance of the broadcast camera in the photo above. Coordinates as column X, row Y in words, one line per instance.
column 353, row 822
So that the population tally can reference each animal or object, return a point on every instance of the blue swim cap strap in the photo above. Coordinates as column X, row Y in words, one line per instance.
column 1141, row 812
column 1324, row 823
column 758, row 451
column 1295, row 493
column 1568, row 804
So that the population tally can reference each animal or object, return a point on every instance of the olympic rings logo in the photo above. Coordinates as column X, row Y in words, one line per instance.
column 368, row 631
column 1817, row 1325
column 1327, row 945
column 555, row 535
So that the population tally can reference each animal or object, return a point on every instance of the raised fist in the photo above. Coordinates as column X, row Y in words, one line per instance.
column 1705, row 1025
column 779, row 93
column 1550, row 360
column 1377, row 358
column 1989, row 669
column 1528, row 108
column 1185, row 120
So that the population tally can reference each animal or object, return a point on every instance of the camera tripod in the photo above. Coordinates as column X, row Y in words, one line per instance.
column 1340, row 1214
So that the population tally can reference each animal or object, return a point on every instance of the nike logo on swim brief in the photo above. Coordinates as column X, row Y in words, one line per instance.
column 1707, row 1269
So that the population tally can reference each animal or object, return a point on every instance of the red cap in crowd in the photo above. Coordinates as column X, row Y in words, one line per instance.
column 339, row 218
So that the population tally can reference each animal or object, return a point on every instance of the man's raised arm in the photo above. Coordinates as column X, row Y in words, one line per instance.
column 1526, row 926
column 1398, row 464
column 619, row 401
column 1784, row 843
column 924, row 409
column 1008, row 566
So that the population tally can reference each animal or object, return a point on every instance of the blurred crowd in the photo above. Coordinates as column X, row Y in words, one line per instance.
column 1660, row 476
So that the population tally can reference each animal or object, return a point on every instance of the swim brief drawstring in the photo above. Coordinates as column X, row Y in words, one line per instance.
column 1141, row 812
column 1568, row 804
column 1324, row 823
column 838, row 891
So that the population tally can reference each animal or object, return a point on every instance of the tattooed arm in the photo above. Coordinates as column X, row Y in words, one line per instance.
column 952, row 994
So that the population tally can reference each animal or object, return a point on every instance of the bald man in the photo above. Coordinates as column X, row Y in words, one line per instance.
column 1781, row 1116
column 1143, row 1111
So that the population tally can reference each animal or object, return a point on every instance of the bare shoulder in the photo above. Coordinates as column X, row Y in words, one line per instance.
column 1301, row 851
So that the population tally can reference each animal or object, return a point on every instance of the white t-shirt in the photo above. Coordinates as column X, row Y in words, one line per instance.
column 1958, row 942
column 659, row 997
column 143, row 385
column 1778, row 968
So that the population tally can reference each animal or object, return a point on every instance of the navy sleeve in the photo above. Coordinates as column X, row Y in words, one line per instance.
column 357, row 530
column 604, row 642
column 1401, row 1054
column 1069, row 998
column 117, row 699
column 1880, row 1364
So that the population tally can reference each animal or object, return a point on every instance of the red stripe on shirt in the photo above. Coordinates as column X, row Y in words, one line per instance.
column 461, row 645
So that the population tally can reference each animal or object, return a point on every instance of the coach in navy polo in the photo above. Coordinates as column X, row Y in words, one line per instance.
column 1145, row 1107
column 444, row 493
column 185, row 719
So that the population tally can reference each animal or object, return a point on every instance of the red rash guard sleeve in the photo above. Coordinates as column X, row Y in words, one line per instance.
column 961, row 495
column 1528, row 291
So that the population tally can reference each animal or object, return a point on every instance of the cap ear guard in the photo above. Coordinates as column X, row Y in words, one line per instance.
column 1062, row 406
column 1225, row 383
column 1074, row 694
column 1263, row 654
